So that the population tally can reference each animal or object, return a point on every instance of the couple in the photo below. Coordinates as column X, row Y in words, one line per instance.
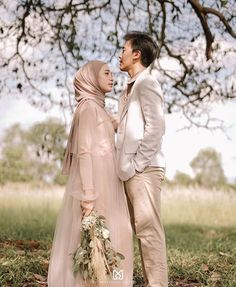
column 96, row 168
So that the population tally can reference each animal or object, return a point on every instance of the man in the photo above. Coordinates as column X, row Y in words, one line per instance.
column 141, row 163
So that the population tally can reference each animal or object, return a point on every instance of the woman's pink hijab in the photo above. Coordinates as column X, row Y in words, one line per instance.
column 86, row 88
column 86, row 83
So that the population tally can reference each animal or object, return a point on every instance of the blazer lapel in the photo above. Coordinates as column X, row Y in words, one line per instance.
column 126, row 106
column 125, row 110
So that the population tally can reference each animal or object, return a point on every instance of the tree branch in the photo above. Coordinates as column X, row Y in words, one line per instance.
column 199, row 10
column 202, row 13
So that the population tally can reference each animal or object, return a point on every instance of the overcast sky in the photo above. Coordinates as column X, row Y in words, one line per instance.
column 180, row 147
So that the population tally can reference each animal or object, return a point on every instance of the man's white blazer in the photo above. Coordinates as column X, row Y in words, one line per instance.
column 141, row 128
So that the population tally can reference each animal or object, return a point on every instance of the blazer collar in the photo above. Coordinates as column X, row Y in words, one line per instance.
column 134, row 78
column 130, row 85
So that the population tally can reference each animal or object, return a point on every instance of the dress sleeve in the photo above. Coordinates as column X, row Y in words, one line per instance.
column 86, row 144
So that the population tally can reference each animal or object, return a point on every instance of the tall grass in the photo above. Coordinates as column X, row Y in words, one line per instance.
column 199, row 206
column 28, row 212
column 200, row 232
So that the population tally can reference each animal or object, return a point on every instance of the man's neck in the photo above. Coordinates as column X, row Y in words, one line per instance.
column 135, row 69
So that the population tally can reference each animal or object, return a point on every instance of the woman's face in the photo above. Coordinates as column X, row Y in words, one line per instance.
column 105, row 79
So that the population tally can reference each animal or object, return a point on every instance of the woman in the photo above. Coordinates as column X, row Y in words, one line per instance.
column 92, row 184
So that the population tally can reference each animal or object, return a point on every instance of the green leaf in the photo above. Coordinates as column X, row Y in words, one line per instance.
column 121, row 256
column 85, row 275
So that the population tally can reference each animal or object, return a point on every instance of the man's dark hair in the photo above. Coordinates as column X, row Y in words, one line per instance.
column 142, row 42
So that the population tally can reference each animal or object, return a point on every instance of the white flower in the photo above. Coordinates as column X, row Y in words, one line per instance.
column 105, row 233
column 89, row 221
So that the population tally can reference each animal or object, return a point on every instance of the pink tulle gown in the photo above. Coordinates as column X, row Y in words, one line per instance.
column 92, row 176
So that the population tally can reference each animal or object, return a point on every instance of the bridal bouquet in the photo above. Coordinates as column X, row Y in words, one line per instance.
column 95, row 259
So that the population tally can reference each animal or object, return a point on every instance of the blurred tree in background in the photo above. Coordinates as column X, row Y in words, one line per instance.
column 208, row 170
column 34, row 154
column 47, row 140
column 183, row 179
column 43, row 43
column 15, row 165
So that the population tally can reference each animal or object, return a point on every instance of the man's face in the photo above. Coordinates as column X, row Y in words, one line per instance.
column 126, row 57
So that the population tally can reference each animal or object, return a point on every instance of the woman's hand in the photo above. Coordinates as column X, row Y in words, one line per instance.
column 87, row 207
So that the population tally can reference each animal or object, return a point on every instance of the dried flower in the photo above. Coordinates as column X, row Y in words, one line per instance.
column 105, row 233
column 95, row 259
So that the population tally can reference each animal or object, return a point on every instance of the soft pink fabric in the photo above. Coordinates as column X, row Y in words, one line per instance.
column 92, row 175
column 86, row 83
column 86, row 88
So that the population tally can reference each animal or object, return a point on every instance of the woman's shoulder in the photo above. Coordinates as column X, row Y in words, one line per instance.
column 87, row 109
column 89, row 105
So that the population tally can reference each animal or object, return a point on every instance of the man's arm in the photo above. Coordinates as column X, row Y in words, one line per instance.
column 151, row 100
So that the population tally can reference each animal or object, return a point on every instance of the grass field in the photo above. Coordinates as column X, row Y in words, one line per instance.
column 200, row 232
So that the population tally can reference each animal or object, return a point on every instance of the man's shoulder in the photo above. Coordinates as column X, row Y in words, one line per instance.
column 146, row 78
column 147, row 83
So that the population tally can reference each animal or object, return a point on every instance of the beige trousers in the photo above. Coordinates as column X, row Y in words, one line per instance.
column 143, row 193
